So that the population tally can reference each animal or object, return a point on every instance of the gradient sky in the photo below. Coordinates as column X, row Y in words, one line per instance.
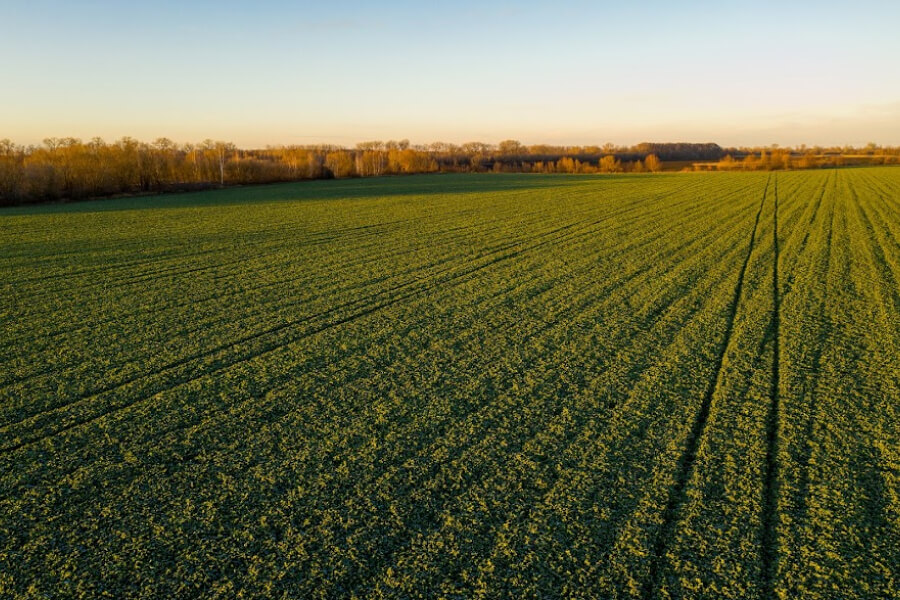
column 258, row 73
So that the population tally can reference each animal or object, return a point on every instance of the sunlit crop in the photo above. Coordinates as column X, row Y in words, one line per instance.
column 636, row 386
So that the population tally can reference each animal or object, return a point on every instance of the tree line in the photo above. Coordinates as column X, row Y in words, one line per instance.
column 770, row 159
column 72, row 169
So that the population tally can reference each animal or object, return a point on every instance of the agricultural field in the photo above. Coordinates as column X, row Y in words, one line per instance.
column 473, row 386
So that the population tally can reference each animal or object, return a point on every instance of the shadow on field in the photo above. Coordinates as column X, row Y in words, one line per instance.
column 334, row 189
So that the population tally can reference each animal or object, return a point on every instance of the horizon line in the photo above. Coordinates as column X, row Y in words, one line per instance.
column 321, row 141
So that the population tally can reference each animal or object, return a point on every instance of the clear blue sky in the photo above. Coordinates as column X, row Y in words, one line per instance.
column 257, row 73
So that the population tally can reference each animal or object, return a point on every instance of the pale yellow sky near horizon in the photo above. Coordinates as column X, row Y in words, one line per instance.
column 276, row 73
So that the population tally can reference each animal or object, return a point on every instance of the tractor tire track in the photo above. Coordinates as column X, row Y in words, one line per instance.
column 630, row 207
column 629, row 247
column 688, row 457
column 454, row 280
column 769, row 538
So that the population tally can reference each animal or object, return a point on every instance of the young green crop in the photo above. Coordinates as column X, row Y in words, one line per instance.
column 660, row 386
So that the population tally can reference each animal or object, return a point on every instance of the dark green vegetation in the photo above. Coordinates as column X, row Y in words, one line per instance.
column 670, row 386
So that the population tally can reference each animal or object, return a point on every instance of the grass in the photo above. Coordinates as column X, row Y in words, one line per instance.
column 661, row 386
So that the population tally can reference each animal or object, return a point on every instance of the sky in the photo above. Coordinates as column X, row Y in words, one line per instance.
column 276, row 72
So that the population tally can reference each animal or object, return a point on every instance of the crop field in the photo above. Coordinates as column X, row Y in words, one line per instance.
column 473, row 386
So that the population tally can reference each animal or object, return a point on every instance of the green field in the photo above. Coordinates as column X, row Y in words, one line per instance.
column 475, row 386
